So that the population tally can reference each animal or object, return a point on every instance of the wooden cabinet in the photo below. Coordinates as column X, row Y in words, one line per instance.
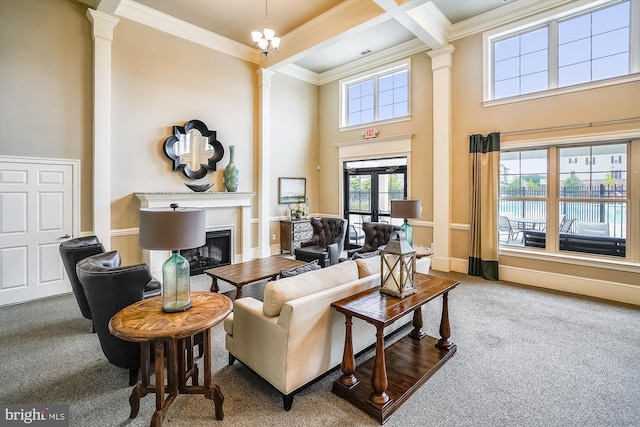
column 293, row 233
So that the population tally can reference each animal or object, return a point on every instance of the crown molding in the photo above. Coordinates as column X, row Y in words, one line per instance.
column 501, row 16
column 300, row 73
column 160, row 21
column 395, row 53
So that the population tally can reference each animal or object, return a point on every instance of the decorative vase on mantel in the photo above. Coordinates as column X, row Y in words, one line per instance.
column 231, row 173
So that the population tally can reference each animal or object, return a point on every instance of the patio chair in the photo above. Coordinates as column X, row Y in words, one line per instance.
column 566, row 226
column 505, row 226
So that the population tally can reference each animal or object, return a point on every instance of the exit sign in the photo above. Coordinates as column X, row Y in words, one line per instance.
column 370, row 133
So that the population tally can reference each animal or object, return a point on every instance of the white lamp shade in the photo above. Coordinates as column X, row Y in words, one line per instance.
column 169, row 229
column 275, row 42
column 256, row 36
column 269, row 33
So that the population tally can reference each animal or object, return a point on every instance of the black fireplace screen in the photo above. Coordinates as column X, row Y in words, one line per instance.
column 215, row 252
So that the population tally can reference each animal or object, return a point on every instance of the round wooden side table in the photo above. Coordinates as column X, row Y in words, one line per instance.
column 146, row 323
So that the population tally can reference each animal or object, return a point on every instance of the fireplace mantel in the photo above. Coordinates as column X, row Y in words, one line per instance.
column 210, row 201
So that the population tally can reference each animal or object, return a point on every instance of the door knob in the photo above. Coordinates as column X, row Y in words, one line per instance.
column 66, row 236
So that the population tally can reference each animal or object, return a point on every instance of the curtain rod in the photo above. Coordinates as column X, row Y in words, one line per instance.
column 590, row 124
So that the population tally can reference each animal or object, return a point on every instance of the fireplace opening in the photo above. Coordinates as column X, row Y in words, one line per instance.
column 216, row 252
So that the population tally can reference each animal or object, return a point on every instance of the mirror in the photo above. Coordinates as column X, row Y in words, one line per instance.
column 193, row 149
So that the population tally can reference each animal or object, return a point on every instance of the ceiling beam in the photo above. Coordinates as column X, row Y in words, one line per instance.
column 107, row 6
column 336, row 24
column 422, row 18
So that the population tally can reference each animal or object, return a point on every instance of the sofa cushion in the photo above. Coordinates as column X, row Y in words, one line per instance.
column 313, row 265
column 368, row 266
column 278, row 292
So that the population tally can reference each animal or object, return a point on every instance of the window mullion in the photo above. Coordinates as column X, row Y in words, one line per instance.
column 634, row 34
column 553, row 54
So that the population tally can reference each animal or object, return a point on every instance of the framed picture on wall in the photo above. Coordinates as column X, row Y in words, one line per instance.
column 292, row 190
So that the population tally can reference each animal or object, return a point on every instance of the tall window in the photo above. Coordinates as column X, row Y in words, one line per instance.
column 565, row 51
column 521, row 63
column 594, row 195
column 587, row 211
column 594, row 46
column 374, row 97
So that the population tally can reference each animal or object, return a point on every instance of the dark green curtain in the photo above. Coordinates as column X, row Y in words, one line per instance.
column 485, row 187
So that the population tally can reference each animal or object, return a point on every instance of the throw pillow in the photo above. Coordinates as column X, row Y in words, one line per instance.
column 362, row 255
column 368, row 266
column 313, row 265
column 319, row 235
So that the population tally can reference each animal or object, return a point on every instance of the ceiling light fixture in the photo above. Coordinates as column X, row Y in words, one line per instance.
column 266, row 40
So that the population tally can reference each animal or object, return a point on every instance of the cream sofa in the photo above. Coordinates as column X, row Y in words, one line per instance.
column 295, row 336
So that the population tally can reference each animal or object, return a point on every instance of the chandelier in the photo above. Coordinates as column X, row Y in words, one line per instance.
column 266, row 40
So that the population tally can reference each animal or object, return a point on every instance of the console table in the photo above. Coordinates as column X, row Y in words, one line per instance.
column 146, row 323
column 399, row 370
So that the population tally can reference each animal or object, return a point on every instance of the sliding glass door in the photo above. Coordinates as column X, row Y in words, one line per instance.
column 369, row 187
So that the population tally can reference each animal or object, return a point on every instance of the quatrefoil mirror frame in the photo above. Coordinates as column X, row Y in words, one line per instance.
column 180, row 132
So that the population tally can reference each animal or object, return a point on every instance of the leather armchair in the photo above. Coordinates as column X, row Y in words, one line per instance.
column 376, row 234
column 72, row 251
column 327, row 242
column 110, row 287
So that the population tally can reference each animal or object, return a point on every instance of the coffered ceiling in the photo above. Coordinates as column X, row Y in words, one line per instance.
column 318, row 36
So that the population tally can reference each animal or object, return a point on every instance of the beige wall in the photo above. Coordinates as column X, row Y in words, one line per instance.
column 469, row 116
column 294, row 136
column 420, row 125
column 46, row 85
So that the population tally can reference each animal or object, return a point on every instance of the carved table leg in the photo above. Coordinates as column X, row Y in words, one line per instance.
column 142, row 388
column 417, row 331
column 379, row 381
column 214, row 285
column 238, row 292
column 445, row 327
column 348, row 379
column 211, row 391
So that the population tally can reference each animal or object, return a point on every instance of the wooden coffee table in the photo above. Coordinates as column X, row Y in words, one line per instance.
column 146, row 323
column 251, row 271
column 399, row 370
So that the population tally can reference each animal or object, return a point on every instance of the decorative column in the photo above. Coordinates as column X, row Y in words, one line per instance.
column 264, row 149
column 103, row 26
column 441, row 61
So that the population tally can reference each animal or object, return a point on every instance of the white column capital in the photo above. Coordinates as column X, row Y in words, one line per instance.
column 264, row 77
column 442, row 57
column 103, row 24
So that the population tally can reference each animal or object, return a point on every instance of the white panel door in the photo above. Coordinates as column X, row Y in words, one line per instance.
column 36, row 215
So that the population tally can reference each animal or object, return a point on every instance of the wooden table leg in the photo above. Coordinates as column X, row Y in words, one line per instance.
column 214, row 284
column 445, row 327
column 156, row 420
column 348, row 379
column 142, row 388
column 238, row 292
column 417, row 331
column 379, row 381
column 212, row 391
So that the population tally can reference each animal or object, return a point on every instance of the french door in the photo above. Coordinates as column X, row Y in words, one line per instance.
column 369, row 187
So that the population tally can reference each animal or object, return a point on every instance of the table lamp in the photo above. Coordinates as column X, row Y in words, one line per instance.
column 173, row 229
column 406, row 209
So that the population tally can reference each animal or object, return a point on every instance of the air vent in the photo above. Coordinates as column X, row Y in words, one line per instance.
column 366, row 52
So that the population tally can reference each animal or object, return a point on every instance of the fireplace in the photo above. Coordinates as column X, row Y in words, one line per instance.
column 214, row 253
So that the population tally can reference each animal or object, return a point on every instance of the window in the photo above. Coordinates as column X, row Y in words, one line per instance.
column 564, row 51
column 375, row 97
column 587, row 212
column 523, row 192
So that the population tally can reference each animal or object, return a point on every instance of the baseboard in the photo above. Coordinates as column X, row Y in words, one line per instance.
column 613, row 291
